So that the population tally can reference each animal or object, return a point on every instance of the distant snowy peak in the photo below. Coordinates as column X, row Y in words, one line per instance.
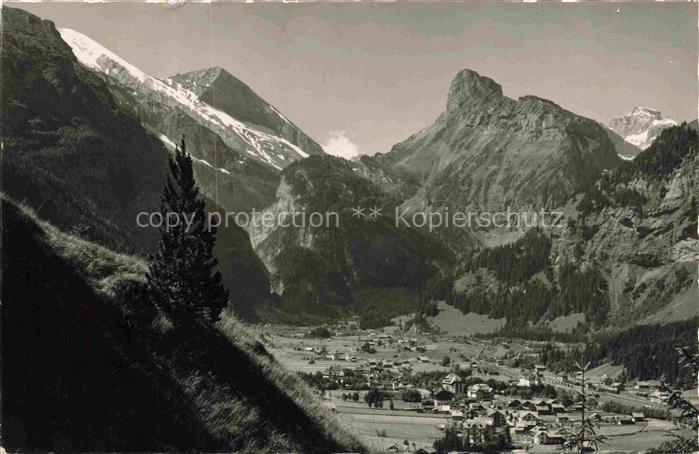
column 640, row 126
column 273, row 150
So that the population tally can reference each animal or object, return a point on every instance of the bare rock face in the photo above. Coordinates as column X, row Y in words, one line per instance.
column 641, row 126
column 469, row 91
column 478, row 101
column 488, row 151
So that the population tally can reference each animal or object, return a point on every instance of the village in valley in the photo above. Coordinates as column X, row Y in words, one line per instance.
column 409, row 390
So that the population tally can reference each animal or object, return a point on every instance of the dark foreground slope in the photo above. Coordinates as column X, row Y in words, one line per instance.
column 86, row 369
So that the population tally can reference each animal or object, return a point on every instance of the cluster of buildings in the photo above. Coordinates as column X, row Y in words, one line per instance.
column 606, row 383
column 374, row 339
column 477, row 412
column 386, row 374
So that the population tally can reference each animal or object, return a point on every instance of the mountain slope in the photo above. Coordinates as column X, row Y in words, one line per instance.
column 625, row 255
column 236, row 164
column 640, row 126
column 74, row 153
column 267, row 148
column 220, row 89
column 347, row 263
column 90, row 366
column 640, row 221
column 69, row 150
column 624, row 149
column 487, row 151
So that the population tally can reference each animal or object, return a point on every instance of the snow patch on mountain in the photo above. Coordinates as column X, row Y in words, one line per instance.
column 274, row 109
column 259, row 143
column 170, row 145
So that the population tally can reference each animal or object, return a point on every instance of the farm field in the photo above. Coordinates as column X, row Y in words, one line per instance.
column 454, row 322
column 386, row 428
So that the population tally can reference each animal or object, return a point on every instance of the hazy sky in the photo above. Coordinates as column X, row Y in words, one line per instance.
column 359, row 78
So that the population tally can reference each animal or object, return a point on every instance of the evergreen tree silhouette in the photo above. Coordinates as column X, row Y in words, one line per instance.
column 182, row 278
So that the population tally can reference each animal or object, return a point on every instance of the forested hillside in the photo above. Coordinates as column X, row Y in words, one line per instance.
column 623, row 256
column 354, row 263
column 645, row 351
column 518, row 281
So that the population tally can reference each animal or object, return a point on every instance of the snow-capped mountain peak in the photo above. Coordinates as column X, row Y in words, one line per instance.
column 275, row 151
column 641, row 126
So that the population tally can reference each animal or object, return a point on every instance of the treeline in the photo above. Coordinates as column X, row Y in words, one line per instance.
column 313, row 289
column 612, row 406
column 576, row 290
column 515, row 262
column 527, row 302
column 581, row 291
column 650, row 351
column 647, row 352
column 377, row 306
column 609, row 193
column 665, row 155
column 514, row 329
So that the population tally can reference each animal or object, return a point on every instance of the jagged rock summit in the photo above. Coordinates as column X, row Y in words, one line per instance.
column 490, row 151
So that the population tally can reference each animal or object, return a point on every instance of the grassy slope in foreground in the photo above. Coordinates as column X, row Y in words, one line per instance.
column 86, row 369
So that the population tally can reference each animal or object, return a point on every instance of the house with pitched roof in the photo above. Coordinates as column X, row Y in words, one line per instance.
column 480, row 391
column 452, row 382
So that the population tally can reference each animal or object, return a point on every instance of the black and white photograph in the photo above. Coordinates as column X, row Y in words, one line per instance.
column 349, row 227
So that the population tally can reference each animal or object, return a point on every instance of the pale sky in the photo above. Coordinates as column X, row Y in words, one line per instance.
column 359, row 78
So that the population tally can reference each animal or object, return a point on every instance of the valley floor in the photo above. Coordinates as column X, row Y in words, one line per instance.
column 384, row 428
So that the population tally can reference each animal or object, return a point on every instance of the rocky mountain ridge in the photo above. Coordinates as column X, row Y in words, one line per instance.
column 237, row 162
column 70, row 151
column 625, row 252
column 275, row 151
column 348, row 261
column 485, row 152
column 221, row 90
column 488, row 151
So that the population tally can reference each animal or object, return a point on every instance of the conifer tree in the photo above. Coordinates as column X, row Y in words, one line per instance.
column 182, row 278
